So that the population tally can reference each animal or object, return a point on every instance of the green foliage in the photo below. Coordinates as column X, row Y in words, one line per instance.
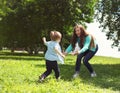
column 108, row 14
column 25, row 22
column 19, row 74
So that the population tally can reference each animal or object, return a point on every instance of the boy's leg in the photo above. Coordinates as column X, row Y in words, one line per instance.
column 48, row 70
column 56, row 69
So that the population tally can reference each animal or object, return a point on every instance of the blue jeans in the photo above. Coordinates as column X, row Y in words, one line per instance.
column 87, row 56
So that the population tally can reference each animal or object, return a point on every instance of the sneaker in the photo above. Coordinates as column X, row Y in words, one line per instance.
column 93, row 74
column 58, row 79
column 41, row 80
column 76, row 74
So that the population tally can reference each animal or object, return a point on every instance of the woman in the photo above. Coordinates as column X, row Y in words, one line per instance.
column 88, row 48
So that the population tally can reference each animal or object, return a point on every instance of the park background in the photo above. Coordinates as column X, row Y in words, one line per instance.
column 23, row 23
column 105, row 48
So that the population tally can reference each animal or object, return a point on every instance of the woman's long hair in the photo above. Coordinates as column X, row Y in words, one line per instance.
column 83, row 34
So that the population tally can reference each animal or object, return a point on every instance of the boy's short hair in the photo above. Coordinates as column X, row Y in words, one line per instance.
column 55, row 35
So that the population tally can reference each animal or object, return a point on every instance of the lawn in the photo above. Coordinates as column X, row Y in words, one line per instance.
column 19, row 73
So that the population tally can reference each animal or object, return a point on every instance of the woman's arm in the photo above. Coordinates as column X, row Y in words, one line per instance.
column 85, row 47
column 69, row 49
column 86, row 44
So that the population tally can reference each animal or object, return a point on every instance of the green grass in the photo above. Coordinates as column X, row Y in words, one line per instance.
column 19, row 73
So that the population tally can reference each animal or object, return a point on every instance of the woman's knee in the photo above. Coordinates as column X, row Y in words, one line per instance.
column 85, row 61
column 79, row 57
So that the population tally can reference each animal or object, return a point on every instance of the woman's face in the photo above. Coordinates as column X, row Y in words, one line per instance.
column 77, row 31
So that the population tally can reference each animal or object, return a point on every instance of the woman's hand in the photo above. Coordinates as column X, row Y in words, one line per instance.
column 64, row 53
column 75, row 53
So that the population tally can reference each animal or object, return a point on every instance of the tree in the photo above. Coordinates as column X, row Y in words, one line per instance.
column 108, row 14
column 27, row 21
column 19, row 25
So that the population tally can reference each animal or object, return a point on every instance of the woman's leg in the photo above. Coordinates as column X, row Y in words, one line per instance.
column 87, row 57
column 78, row 62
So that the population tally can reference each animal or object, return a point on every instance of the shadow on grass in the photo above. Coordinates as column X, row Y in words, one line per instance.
column 108, row 76
column 20, row 56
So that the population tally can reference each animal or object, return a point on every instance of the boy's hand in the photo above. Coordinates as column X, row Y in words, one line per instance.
column 63, row 56
column 44, row 39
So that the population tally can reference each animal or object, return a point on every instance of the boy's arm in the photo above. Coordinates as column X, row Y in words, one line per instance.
column 44, row 40
column 60, row 53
